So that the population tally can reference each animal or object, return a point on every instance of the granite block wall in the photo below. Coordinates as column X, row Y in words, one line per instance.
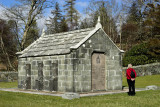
column 8, row 76
column 64, row 72
column 99, row 42
column 148, row 69
column 73, row 69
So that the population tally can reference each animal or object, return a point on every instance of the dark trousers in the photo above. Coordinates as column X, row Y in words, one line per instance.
column 131, row 85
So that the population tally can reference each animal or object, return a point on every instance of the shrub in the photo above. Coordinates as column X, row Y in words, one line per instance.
column 143, row 53
column 140, row 49
column 135, row 60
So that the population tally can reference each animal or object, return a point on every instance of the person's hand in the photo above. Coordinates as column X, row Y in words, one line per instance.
column 132, row 79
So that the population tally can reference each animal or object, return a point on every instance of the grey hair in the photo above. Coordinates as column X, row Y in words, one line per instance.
column 129, row 65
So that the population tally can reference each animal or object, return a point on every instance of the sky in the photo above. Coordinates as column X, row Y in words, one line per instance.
column 80, row 5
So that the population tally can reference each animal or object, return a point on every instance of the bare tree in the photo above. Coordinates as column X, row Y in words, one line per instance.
column 25, row 13
column 108, row 11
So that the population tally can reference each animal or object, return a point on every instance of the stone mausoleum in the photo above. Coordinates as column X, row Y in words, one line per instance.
column 76, row 61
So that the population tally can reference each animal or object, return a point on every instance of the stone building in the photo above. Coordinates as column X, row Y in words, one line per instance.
column 75, row 61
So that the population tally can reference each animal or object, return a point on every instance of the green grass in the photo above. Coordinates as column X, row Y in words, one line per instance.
column 9, row 84
column 142, row 99
column 142, row 82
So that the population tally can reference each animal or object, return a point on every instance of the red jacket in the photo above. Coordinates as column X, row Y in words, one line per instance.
column 128, row 73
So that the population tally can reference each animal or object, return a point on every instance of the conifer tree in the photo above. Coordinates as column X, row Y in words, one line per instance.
column 54, row 23
column 152, row 19
column 64, row 26
column 72, row 15
column 107, row 21
column 131, row 30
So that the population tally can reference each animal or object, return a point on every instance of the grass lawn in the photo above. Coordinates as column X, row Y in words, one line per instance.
column 142, row 82
column 142, row 99
column 9, row 84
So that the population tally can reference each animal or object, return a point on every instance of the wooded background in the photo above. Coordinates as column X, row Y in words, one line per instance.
column 134, row 25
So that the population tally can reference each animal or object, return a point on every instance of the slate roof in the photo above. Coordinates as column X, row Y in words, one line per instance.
column 59, row 43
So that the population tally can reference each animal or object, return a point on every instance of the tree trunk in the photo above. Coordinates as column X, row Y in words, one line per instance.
column 24, row 38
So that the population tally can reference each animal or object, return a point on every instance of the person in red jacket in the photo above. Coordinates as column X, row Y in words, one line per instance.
column 131, row 80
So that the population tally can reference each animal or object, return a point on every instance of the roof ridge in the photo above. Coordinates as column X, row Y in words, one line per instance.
column 70, row 32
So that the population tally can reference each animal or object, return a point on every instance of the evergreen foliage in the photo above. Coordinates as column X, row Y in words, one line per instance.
column 142, row 26
column 72, row 15
column 132, row 28
column 152, row 18
column 64, row 26
column 54, row 24
column 143, row 53
column 105, row 19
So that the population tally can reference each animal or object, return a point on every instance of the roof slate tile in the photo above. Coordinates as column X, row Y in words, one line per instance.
column 59, row 43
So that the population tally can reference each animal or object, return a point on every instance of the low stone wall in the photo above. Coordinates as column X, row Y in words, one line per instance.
column 148, row 69
column 8, row 76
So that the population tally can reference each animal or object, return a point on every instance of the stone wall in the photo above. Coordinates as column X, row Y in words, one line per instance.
column 148, row 69
column 8, row 76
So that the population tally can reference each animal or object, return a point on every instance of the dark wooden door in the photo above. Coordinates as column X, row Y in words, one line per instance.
column 98, row 71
